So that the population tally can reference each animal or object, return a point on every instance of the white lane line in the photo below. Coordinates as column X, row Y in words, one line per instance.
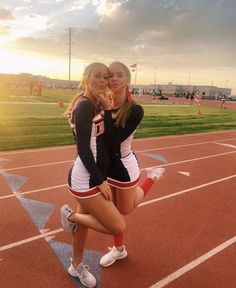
column 18, row 243
column 227, row 145
column 18, row 194
column 142, row 204
column 191, row 160
column 184, row 145
column 39, row 150
column 135, row 140
column 194, row 263
column 143, row 169
column 186, row 190
column 38, row 165
column 67, row 161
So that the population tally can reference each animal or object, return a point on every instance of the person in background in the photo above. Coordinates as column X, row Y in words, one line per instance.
column 122, row 117
column 87, row 177
column 222, row 102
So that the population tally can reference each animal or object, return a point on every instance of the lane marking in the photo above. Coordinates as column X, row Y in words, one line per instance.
column 151, row 139
column 184, row 145
column 38, row 165
column 143, row 169
column 67, row 161
column 32, row 191
column 178, row 273
column 184, row 173
column 227, row 145
column 27, row 240
column 186, row 190
column 45, row 235
column 39, row 150
column 193, row 159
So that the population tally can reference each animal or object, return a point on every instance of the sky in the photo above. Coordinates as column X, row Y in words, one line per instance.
column 179, row 41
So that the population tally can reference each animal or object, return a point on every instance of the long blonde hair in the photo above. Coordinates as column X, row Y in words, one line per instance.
column 125, row 110
column 83, row 86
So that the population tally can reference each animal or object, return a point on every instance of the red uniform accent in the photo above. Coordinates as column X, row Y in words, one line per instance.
column 123, row 185
column 146, row 185
column 87, row 194
column 118, row 240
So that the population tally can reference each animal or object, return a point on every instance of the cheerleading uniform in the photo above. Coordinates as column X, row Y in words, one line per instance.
column 90, row 166
column 124, row 171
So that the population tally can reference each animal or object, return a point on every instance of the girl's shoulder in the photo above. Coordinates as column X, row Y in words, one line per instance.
column 83, row 103
column 137, row 109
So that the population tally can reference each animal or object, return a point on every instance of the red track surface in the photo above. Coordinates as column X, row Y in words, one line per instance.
column 173, row 233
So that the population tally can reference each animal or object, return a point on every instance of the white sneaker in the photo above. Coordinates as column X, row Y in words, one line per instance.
column 67, row 225
column 82, row 272
column 114, row 254
column 155, row 173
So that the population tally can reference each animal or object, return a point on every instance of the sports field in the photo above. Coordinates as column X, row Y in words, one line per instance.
column 36, row 122
column 181, row 236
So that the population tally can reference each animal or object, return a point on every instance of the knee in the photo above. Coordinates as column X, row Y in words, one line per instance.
column 125, row 211
column 119, row 228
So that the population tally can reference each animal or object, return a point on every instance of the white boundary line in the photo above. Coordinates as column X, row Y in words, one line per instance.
column 12, row 245
column 21, row 242
column 184, row 145
column 19, row 194
column 37, row 165
column 186, row 190
column 162, row 165
column 72, row 146
column 138, row 151
column 193, row 159
column 193, row 264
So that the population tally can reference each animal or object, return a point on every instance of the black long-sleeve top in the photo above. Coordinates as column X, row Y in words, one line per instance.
column 88, row 126
column 119, row 139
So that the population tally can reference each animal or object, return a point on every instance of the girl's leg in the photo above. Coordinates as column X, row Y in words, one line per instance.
column 79, row 236
column 103, row 216
column 129, row 198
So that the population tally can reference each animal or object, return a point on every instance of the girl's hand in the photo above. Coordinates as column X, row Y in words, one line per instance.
column 104, row 100
column 105, row 190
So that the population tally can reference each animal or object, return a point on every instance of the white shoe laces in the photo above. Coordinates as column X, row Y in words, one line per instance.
column 84, row 271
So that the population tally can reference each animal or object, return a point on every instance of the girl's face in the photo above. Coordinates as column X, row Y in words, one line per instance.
column 117, row 78
column 98, row 78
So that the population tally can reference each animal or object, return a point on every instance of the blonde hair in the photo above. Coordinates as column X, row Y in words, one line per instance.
column 82, row 86
column 125, row 110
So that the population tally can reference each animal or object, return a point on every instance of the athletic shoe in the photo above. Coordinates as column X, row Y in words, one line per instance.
column 114, row 254
column 155, row 173
column 67, row 225
column 82, row 272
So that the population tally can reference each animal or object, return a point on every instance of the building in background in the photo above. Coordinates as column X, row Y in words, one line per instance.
column 206, row 92
column 23, row 80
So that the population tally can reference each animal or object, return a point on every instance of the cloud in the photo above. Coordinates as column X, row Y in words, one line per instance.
column 173, row 34
column 4, row 30
column 6, row 14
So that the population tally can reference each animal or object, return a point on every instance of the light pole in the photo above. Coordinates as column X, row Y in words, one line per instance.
column 226, row 82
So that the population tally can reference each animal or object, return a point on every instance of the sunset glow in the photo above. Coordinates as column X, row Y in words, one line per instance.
column 34, row 38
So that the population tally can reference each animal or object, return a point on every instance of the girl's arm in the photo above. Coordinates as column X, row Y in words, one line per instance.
column 117, row 135
column 83, row 117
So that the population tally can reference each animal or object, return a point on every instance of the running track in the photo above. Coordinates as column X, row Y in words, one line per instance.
column 182, row 236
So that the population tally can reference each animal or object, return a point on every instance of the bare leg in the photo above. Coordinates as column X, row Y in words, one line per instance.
column 103, row 216
column 128, row 199
column 78, row 240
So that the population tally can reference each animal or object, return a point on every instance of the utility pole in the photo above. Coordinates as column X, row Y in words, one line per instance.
column 70, row 42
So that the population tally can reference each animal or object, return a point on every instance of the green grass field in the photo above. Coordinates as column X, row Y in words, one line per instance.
column 34, row 122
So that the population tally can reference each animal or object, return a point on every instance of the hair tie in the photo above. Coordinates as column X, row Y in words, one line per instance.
column 128, row 94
